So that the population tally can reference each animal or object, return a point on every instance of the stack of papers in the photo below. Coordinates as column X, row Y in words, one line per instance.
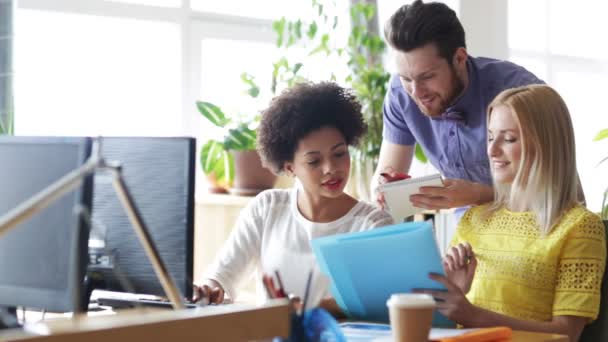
column 366, row 268
column 375, row 332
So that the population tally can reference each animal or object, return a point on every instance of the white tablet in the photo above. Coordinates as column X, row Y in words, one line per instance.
column 397, row 195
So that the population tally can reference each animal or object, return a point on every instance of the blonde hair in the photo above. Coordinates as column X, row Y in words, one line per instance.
column 546, row 182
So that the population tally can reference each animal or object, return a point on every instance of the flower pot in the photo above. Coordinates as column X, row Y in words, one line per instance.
column 250, row 177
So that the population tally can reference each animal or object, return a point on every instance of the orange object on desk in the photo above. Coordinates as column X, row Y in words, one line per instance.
column 494, row 334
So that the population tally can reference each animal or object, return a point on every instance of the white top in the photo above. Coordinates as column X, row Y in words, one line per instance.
column 272, row 235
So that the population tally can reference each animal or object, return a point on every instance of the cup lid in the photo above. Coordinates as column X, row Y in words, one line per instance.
column 411, row 300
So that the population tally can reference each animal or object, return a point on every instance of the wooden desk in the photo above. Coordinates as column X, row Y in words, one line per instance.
column 219, row 323
column 526, row 336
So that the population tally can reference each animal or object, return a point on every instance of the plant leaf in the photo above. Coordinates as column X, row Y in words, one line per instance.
column 420, row 154
column 279, row 27
column 213, row 113
column 209, row 155
column 240, row 138
column 603, row 134
column 312, row 30
column 217, row 162
column 253, row 89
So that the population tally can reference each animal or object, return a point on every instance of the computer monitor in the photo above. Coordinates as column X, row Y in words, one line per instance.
column 41, row 258
column 159, row 173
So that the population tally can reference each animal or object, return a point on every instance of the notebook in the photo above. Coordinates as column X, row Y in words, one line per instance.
column 366, row 268
column 396, row 195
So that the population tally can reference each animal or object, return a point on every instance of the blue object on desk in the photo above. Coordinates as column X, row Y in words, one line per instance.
column 316, row 325
column 367, row 267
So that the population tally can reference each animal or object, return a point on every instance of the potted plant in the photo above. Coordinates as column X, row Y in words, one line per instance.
column 232, row 164
column 362, row 53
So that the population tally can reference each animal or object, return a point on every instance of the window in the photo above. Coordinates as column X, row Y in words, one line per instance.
column 136, row 67
column 565, row 50
column 111, row 76
column 264, row 9
column 160, row 3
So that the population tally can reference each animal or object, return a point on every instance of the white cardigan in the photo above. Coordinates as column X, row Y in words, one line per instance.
column 272, row 235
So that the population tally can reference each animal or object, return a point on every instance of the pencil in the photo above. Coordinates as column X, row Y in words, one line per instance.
column 307, row 291
column 281, row 290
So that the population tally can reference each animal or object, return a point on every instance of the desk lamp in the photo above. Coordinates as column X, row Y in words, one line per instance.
column 72, row 180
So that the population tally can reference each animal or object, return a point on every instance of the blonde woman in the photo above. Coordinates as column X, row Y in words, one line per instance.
column 532, row 259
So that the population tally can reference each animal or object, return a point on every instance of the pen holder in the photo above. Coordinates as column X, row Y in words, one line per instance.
column 314, row 325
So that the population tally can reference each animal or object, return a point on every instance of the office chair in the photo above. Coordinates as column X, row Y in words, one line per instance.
column 598, row 330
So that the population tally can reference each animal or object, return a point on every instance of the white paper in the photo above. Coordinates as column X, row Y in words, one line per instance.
column 375, row 332
column 397, row 195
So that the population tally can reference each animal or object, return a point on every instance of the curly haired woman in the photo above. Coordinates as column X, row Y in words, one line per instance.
column 304, row 133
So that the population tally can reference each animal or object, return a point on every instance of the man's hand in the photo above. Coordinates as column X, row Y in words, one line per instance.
column 392, row 156
column 389, row 175
column 459, row 265
column 455, row 193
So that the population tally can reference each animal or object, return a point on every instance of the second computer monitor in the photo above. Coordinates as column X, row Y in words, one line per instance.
column 159, row 173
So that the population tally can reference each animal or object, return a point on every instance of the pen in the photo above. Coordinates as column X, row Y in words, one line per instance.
column 306, row 291
column 281, row 291
column 269, row 285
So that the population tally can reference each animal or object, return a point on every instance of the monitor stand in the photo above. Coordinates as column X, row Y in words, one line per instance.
column 8, row 317
column 93, row 280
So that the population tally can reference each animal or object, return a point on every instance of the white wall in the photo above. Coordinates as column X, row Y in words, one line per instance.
column 486, row 27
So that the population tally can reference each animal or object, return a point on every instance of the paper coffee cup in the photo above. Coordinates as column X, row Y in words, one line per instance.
column 411, row 315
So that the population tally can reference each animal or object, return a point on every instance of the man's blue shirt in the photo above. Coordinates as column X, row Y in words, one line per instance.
column 455, row 143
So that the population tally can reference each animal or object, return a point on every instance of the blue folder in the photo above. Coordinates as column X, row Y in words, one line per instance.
column 367, row 267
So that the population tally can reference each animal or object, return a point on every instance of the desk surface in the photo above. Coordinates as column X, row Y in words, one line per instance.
column 225, row 324
column 525, row 336
column 221, row 323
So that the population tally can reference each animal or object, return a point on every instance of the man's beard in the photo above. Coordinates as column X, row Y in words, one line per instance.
column 456, row 91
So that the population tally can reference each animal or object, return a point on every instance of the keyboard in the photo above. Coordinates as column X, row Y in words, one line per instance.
column 121, row 300
column 123, row 303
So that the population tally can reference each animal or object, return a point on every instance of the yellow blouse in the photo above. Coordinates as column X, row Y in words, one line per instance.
column 525, row 275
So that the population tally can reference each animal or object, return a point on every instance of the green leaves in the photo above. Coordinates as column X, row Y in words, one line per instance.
column 284, row 73
column 279, row 28
column 215, row 157
column 363, row 52
column 217, row 162
column 240, row 138
column 212, row 113
column 603, row 134
column 253, row 89
column 7, row 123
column 312, row 30
column 323, row 46
column 419, row 153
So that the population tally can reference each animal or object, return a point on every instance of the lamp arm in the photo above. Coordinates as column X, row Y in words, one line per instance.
column 47, row 196
column 171, row 290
